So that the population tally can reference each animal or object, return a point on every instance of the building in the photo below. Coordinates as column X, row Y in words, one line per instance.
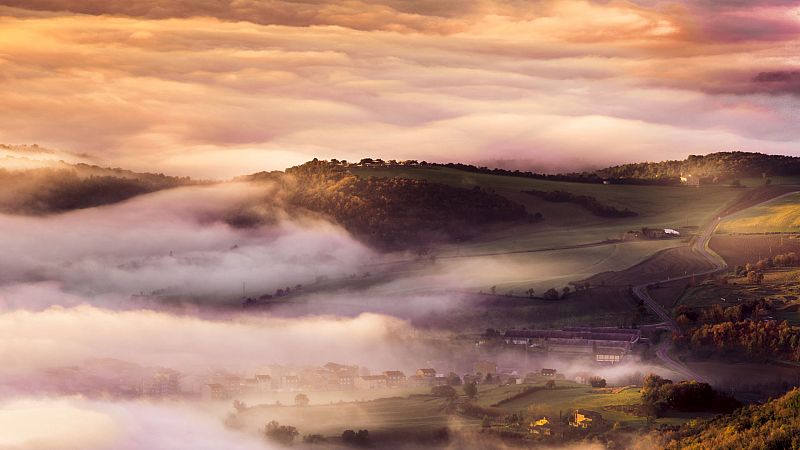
column 541, row 427
column 690, row 180
column 395, row 378
column 164, row 383
column 263, row 383
column 290, row 382
column 215, row 391
column 426, row 373
column 551, row 373
column 586, row 419
column 371, row 382
column 604, row 345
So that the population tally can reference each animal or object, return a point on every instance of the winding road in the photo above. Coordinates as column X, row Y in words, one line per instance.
column 700, row 246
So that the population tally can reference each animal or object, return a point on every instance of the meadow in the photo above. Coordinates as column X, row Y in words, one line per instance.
column 781, row 215
column 568, row 224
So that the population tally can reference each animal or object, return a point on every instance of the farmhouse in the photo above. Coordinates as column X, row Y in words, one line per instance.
column 371, row 382
column 395, row 378
column 541, row 427
column 603, row 345
column 585, row 419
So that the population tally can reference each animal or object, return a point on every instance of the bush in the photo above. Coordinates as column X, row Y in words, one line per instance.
column 444, row 391
column 597, row 382
column 282, row 434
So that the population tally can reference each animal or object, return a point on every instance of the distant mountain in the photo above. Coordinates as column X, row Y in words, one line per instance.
column 722, row 166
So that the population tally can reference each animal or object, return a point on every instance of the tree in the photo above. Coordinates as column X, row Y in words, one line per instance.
column 566, row 291
column 530, row 292
column 358, row 438
column 282, row 434
column 444, row 391
column 551, row 384
column 486, row 422
column 471, row 390
column 453, row 379
column 493, row 290
column 597, row 382
column 551, row 294
column 301, row 400
column 239, row 405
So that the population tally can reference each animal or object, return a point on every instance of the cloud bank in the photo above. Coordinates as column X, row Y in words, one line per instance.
column 220, row 88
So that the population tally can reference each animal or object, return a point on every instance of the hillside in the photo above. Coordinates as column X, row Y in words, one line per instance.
column 775, row 424
column 388, row 213
column 711, row 168
column 38, row 191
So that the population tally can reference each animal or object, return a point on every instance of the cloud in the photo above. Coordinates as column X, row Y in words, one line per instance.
column 34, row 342
column 70, row 423
column 174, row 242
column 216, row 89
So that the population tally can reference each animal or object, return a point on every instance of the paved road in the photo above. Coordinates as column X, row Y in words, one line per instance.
column 700, row 246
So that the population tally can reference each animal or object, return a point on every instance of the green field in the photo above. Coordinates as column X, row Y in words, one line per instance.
column 780, row 215
column 415, row 413
column 424, row 413
column 567, row 224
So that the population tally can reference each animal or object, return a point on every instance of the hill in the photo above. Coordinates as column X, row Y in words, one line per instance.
column 388, row 213
column 67, row 187
column 712, row 168
column 774, row 424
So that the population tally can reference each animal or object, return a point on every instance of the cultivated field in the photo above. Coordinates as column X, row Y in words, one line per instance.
column 779, row 216
column 743, row 249
column 676, row 262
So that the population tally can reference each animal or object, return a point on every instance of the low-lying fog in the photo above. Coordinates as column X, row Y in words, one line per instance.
column 157, row 282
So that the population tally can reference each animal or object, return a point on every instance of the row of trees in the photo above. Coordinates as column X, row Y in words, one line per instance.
column 756, row 340
column 713, row 167
column 660, row 394
column 790, row 259
column 587, row 202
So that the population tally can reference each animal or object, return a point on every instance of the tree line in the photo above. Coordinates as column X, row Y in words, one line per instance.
column 587, row 202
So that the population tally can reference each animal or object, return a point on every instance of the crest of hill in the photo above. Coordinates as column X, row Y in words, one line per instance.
column 718, row 167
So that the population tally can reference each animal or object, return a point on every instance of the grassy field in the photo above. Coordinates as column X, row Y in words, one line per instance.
column 569, row 224
column 780, row 215
column 415, row 413
column 424, row 413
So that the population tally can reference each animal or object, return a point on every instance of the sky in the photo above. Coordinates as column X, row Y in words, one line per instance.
column 218, row 88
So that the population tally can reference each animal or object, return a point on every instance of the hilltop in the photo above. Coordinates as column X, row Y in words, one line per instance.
column 713, row 168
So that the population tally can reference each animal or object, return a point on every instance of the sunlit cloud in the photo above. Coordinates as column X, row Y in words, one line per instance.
column 220, row 88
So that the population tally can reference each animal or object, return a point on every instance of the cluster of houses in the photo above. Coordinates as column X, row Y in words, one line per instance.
column 333, row 377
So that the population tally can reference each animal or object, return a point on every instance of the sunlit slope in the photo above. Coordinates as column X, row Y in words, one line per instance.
column 779, row 215
column 569, row 224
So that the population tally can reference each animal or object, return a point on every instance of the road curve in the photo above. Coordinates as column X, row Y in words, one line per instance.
column 700, row 246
